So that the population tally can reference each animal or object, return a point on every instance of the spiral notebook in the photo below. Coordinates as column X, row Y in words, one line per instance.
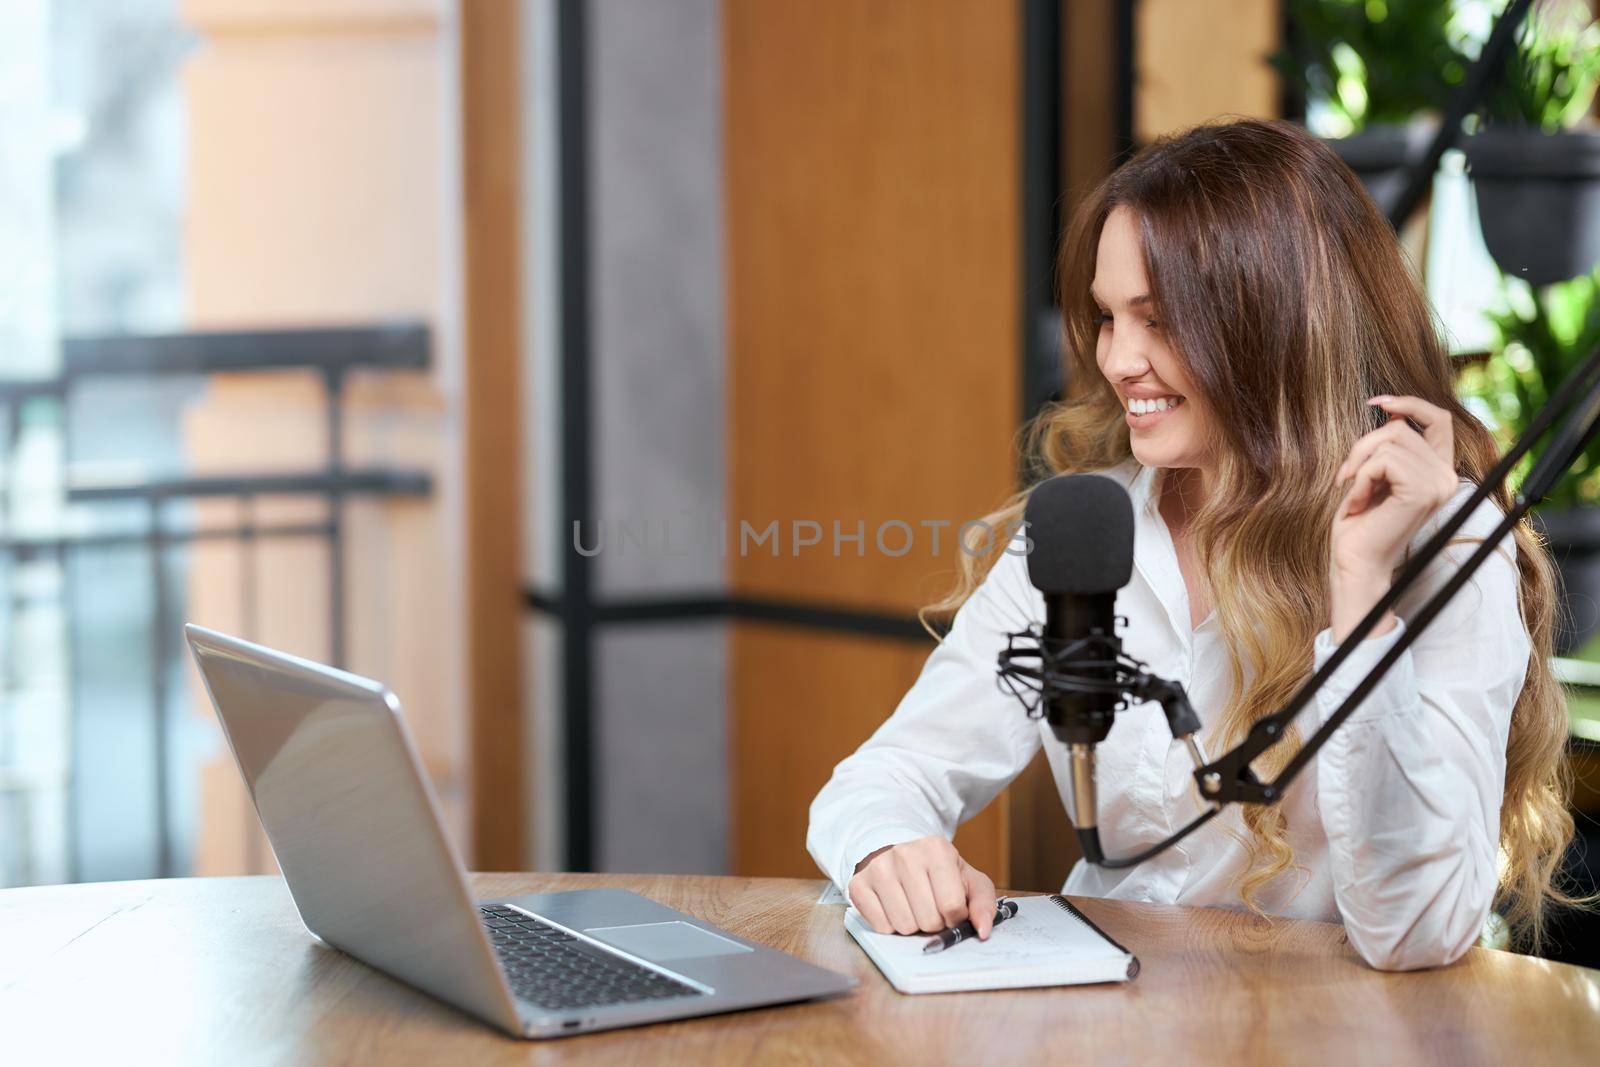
column 1048, row 942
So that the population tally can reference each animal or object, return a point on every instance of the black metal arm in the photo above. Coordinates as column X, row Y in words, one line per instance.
column 1229, row 778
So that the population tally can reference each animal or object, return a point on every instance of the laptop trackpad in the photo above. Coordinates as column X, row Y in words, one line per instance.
column 673, row 940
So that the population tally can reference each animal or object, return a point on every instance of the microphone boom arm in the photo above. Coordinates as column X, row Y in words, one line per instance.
column 1229, row 778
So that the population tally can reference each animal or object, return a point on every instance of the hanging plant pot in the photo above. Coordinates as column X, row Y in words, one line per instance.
column 1381, row 155
column 1538, row 201
column 1574, row 538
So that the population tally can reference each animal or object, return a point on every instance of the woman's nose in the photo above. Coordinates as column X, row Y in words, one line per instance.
column 1123, row 359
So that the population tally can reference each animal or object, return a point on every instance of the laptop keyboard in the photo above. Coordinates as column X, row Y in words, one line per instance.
column 555, row 970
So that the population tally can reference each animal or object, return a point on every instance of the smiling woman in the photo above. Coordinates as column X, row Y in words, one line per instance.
column 1249, row 354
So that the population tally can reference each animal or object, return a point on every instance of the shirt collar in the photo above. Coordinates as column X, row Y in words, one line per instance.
column 1155, row 557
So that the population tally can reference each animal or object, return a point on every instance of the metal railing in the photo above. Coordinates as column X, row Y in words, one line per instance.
column 334, row 354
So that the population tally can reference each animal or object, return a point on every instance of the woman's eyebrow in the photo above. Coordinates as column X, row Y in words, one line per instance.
column 1142, row 298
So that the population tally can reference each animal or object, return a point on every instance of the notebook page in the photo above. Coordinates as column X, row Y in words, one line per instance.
column 1041, row 934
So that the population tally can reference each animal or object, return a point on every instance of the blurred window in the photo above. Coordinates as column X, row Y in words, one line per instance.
column 91, row 209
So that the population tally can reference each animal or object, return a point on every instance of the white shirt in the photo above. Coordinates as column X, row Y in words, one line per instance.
column 1395, row 824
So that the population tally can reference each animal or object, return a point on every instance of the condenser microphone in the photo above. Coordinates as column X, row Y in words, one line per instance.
column 1081, row 528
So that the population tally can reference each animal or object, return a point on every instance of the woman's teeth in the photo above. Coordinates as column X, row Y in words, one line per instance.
column 1137, row 406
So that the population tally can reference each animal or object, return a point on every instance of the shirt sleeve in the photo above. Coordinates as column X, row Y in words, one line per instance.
column 953, row 743
column 1410, row 786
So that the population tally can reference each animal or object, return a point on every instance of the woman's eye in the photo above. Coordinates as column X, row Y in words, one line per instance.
column 1153, row 324
column 1102, row 319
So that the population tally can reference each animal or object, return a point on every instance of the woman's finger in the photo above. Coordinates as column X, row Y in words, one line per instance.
column 871, row 909
column 895, row 906
column 1393, row 468
column 1412, row 443
column 910, row 867
column 1438, row 428
column 1372, row 475
column 1396, row 431
column 1420, row 475
column 949, row 894
column 980, row 898
column 919, row 891
column 1360, row 491
column 1424, row 476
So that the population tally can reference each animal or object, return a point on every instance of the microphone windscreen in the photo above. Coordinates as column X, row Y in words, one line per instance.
column 1081, row 526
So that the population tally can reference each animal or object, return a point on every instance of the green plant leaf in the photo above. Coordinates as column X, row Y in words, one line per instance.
column 1389, row 61
column 1540, row 339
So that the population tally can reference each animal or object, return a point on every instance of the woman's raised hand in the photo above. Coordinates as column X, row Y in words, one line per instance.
column 922, row 885
column 1398, row 479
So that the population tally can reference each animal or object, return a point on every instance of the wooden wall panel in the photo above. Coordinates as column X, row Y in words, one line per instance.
column 1089, row 112
column 491, row 95
column 804, row 701
column 1195, row 61
column 873, row 264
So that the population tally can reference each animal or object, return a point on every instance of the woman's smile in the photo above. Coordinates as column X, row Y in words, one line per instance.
column 1146, row 412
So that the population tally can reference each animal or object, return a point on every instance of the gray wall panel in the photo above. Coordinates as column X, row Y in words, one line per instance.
column 657, row 289
column 543, row 542
column 662, row 733
column 656, row 321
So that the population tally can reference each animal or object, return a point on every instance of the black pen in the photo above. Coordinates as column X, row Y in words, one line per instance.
column 958, row 933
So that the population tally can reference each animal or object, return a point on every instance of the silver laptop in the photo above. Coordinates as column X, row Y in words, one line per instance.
column 353, row 824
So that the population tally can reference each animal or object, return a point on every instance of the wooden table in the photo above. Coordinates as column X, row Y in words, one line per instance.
column 220, row 971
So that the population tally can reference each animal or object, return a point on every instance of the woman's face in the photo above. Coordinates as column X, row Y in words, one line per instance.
column 1166, row 421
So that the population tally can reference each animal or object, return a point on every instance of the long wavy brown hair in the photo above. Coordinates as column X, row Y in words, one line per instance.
column 1285, row 293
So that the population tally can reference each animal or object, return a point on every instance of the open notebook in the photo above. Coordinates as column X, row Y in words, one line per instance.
column 1048, row 942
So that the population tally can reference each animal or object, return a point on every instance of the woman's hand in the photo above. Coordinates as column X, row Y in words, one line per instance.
column 922, row 885
column 1398, row 479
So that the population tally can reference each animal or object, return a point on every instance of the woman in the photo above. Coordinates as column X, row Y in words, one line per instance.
column 1250, row 356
